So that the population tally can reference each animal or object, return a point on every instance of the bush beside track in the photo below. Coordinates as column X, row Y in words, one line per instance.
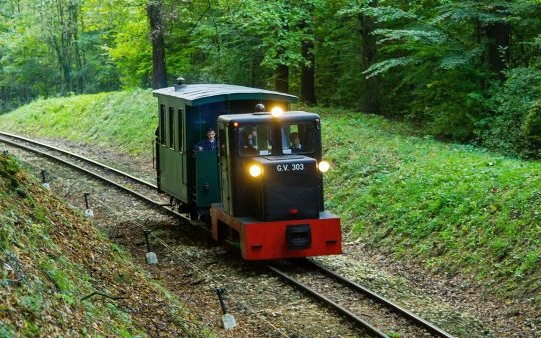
column 454, row 208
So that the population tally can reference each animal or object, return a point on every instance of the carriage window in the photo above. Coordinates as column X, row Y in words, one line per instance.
column 162, row 124
column 180, row 129
column 171, row 126
column 298, row 138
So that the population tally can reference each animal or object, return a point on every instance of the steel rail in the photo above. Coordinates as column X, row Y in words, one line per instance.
column 82, row 158
column 116, row 185
column 397, row 308
column 364, row 324
column 367, row 326
column 418, row 321
column 93, row 174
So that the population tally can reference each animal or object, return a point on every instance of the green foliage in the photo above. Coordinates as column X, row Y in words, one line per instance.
column 11, row 168
column 339, row 68
column 532, row 130
column 245, row 41
column 57, row 274
column 514, row 125
column 412, row 36
column 6, row 330
column 430, row 61
column 432, row 76
column 383, row 67
column 130, row 50
column 46, row 50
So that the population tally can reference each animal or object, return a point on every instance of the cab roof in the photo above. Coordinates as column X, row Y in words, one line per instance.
column 287, row 117
column 198, row 94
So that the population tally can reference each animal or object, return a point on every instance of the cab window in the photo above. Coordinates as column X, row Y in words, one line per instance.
column 298, row 138
column 254, row 140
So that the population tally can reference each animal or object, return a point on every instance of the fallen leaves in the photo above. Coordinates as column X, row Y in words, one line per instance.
column 65, row 258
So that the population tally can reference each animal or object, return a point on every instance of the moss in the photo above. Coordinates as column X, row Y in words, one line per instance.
column 9, row 168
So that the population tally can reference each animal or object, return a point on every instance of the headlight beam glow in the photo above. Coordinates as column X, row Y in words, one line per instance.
column 276, row 112
column 255, row 170
column 323, row 166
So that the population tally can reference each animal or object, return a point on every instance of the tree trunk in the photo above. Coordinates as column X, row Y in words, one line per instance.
column 498, row 35
column 370, row 102
column 159, row 73
column 281, row 78
column 73, row 15
column 308, row 92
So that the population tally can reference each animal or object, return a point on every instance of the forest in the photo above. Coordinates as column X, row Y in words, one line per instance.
column 463, row 71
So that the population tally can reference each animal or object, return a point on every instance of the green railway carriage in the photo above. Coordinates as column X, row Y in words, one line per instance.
column 186, row 112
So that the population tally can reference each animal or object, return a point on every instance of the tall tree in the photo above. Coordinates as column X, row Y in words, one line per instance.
column 281, row 78
column 159, row 73
column 498, row 32
column 61, row 33
column 308, row 90
column 367, row 27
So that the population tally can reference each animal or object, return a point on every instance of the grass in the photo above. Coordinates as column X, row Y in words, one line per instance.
column 454, row 208
column 121, row 119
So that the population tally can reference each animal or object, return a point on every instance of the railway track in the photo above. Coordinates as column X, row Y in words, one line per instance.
column 111, row 176
column 372, row 313
column 376, row 315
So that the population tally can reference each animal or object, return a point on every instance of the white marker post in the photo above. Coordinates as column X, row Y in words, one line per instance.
column 88, row 212
column 151, row 256
column 228, row 321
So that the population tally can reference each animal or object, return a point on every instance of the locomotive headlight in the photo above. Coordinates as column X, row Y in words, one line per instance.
column 323, row 166
column 277, row 112
column 255, row 170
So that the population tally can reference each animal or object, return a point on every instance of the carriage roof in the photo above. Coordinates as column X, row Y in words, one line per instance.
column 199, row 94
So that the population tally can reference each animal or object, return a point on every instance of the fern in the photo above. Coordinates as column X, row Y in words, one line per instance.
column 384, row 66
column 381, row 14
column 460, row 59
column 411, row 35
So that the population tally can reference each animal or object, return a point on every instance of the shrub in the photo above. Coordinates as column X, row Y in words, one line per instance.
column 515, row 121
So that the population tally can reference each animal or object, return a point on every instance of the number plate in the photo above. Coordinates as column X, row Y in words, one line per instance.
column 290, row 167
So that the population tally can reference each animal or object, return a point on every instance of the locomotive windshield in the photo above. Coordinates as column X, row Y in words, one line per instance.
column 261, row 139
column 255, row 139
column 298, row 138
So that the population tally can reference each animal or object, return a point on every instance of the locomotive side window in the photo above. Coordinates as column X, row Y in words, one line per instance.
column 180, row 129
column 171, row 127
column 162, row 124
